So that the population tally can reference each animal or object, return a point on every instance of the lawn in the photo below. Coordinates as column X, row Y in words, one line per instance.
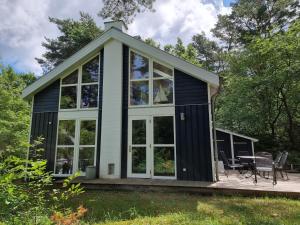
column 120, row 208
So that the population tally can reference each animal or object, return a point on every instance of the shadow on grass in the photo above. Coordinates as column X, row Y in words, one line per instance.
column 175, row 208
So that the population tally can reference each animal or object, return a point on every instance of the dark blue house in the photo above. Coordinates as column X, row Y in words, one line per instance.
column 127, row 108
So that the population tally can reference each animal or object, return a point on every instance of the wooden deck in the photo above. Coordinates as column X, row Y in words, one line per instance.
column 235, row 184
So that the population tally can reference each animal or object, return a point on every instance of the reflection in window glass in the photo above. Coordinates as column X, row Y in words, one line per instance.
column 139, row 66
column 90, row 71
column 89, row 96
column 86, row 158
column 162, row 71
column 138, row 131
column 163, row 130
column 64, row 160
column 71, row 79
column 163, row 91
column 139, row 93
column 87, row 132
column 68, row 99
column 138, row 160
column 66, row 132
column 164, row 161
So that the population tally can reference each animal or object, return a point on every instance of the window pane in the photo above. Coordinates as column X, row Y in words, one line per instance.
column 163, row 130
column 64, row 160
column 87, row 132
column 71, row 79
column 68, row 97
column 86, row 158
column 164, row 161
column 90, row 71
column 138, row 160
column 89, row 96
column 139, row 132
column 139, row 93
column 139, row 68
column 66, row 132
column 163, row 91
column 161, row 71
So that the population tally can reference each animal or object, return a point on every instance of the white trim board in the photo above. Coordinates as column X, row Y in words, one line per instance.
column 236, row 134
column 133, row 43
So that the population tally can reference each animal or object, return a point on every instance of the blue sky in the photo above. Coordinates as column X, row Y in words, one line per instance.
column 24, row 24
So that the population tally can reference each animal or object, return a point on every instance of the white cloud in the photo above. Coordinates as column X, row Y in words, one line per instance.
column 24, row 24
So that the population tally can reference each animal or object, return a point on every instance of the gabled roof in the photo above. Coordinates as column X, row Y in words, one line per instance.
column 236, row 134
column 133, row 43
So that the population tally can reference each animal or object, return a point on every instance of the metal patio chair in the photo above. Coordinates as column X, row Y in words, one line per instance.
column 228, row 165
column 280, row 166
column 264, row 165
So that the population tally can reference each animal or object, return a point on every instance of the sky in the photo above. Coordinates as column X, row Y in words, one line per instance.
column 25, row 24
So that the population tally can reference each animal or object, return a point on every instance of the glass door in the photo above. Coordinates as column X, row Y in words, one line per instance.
column 139, row 147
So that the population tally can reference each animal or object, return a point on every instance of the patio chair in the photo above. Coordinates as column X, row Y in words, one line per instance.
column 244, row 162
column 281, row 165
column 277, row 158
column 264, row 165
column 228, row 165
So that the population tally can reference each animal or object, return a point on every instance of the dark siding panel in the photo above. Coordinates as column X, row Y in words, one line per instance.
column 125, row 112
column 45, row 125
column 224, row 144
column 241, row 145
column 99, row 113
column 193, row 153
column 47, row 100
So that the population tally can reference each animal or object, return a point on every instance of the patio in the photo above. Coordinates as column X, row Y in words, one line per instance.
column 235, row 184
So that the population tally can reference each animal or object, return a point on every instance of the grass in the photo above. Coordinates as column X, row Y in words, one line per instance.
column 124, row 208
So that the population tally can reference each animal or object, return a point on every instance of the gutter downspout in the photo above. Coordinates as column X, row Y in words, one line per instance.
column 213, row 100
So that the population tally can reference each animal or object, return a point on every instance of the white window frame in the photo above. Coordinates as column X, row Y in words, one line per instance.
column 150, row 146
column 150, row 79
column 79, row 85
column 76, row 145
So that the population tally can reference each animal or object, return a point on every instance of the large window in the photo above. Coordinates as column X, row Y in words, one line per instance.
column 76, row 145
column 151, row 83
column 80, row 88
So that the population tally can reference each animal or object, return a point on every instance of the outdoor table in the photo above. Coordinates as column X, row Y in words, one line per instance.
column 253, row 166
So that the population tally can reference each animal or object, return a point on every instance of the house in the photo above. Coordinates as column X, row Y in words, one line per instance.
column 234, row 144
column 130, row 109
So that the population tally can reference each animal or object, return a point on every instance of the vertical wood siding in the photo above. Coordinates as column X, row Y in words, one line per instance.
column 241, row 144
column 47, row 99
column 98, row 151
column 224, row 143
column 44, row 124
column 44, row 121
column 125, row 112
column 193, row 153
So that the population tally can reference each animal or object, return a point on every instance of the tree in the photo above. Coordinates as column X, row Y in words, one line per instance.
column 208, row 52
column 124, row 10
column 14, row 111
column 74, row 36
column 262, row 89
column 188, row 53
column 152, row 42
column 252, row 18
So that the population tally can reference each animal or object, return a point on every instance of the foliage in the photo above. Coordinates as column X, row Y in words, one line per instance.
column 262, row 89
column 152, row 42
column 251, row 18
column 69, row 219
column 124, row 10
column 74, row 36
column 188, row 53
column 112, row 207
column 26, row 190
column 14, row 111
